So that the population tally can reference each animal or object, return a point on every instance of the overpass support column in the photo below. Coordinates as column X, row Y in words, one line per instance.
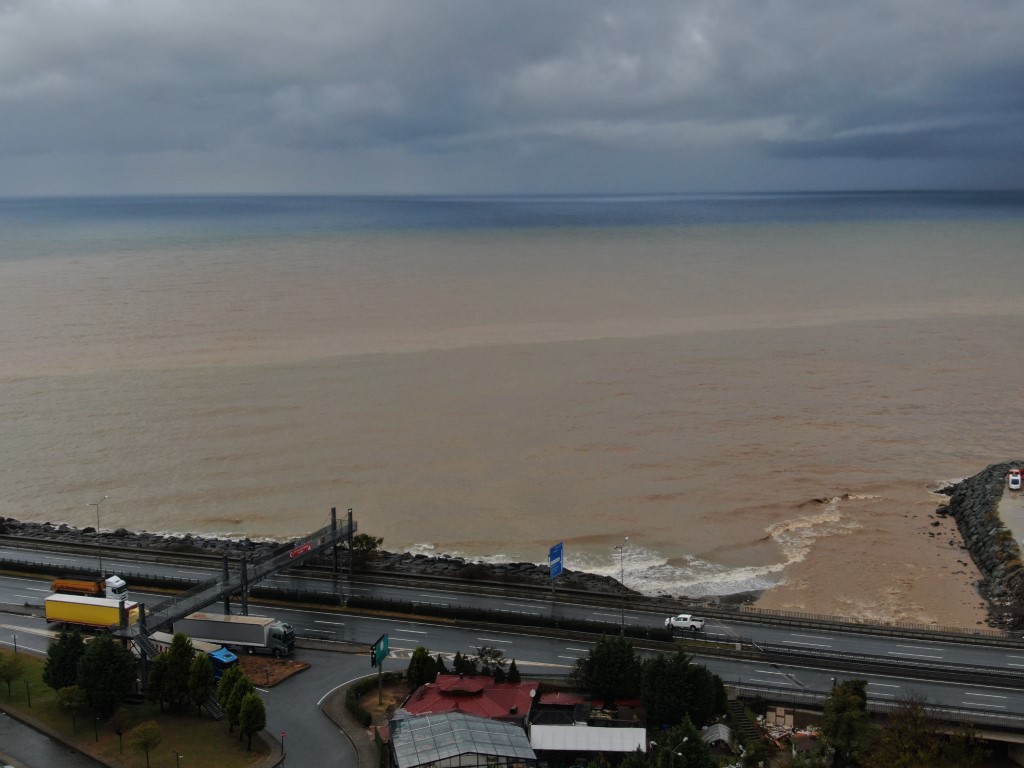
column 226, row 576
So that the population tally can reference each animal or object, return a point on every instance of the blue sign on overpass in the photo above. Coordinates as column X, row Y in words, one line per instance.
column 555, row 561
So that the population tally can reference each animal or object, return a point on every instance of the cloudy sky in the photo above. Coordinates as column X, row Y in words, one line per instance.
column 489, row 96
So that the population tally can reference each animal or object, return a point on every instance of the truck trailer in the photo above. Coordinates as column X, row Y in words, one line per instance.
column 113, row 587
column 253, row 634
column 221, row 658
column 81, row 611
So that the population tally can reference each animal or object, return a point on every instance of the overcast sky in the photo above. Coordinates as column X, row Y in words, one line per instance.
column 500, row 96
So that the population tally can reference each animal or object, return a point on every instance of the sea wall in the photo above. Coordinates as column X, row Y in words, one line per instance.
column 396, row 562
column 974, row 504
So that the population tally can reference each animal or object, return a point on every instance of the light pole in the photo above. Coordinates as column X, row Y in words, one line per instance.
column 622, row 580
column 99, row 546
column 177, row 759
column 672, row 753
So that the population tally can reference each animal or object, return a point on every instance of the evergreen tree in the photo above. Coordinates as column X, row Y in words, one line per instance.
column 458, row 664
column 664, row 690
column 227, row 683
column 846, row 723
column 252, row 717
column 682, row 746
column 62, row 656
column 174, row 689
column 513, row 673
column 610, row 670
column 422, row 668
column 155, row 681
column 200, row 681
column 107, row 673
column 706, row 695
column 440, row 666
column 233, row 710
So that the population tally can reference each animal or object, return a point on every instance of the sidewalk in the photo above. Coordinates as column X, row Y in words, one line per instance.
column 334, row 707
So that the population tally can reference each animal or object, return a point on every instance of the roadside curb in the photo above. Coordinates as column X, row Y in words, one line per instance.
column 334, row 707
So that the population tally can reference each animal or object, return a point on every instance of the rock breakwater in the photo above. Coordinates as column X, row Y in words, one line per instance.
column 974, row 504
column 394, row 562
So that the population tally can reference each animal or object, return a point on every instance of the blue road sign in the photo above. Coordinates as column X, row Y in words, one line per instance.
column 555, row 561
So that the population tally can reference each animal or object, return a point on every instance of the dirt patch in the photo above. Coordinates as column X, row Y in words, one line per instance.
column 380, row 706
column 268, row 672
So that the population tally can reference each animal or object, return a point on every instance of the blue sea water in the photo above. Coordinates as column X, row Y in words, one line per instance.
column 41, row 226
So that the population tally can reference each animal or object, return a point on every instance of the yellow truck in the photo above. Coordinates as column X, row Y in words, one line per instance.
column 80, row 611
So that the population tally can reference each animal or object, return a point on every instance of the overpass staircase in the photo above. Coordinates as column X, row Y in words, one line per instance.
column 231, row 582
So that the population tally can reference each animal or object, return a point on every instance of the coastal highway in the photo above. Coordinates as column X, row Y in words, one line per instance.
column 556, row 656
column 540, row 655
column 733, row 627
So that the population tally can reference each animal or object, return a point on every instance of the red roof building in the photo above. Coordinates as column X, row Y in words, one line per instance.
column 481, row 696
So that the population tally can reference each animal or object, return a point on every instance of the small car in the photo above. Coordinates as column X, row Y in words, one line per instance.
column 684, row 621
column 1013, row 479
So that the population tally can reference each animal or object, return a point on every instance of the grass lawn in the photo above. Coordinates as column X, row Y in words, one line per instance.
column 200, row 741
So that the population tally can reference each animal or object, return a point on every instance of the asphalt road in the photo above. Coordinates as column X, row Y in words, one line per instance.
column 313, row 740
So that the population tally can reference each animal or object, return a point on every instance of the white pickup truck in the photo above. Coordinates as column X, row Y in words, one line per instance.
column 684, row 621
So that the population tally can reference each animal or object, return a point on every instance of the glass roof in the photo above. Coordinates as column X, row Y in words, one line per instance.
column 422, row 739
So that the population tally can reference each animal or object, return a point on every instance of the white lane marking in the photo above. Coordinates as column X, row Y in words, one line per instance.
column 581, row 650
column 914, row 655
column 574, row 658
column 884, row 685
column 37, row 589
column 613, row 615
column 884, row 695
column 1010, row 664
column 987, row 695
column 770, row 682
column 810, row 637
column 1015, row 657
column 493, row 640
column 335, row 623
column 982, row 704
column 522, row 605
column 797, row 642
column 412, row 631
column 916, row 648
column 768, row 672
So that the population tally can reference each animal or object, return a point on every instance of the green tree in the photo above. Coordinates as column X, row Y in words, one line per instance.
column 71, row 699
column 681, row 746
column 174, row 688
column 422, row 668
column 119, row 722
column 439, row 664
column 226, row 684
column 233, row 710
column 610, row 670
column 910, row 739
column 663, row 688
column 155, row 681
column 513, row 673
column 146, row 736
column 62, row 655
column 11, row 668
column 252, row 716
column 846, row 723
column 201, row 682
column 107, row 673
column 365, row 549
column 705, row 693
column 490, row 659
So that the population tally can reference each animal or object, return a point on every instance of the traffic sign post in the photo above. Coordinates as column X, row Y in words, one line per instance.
column 555, row 561
column 378, row 652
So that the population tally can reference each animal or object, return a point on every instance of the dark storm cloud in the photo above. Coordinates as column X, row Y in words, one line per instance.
column 471, row 96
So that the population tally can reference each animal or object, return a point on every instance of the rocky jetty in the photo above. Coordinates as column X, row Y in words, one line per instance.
column 974, row 504
column 395, row 562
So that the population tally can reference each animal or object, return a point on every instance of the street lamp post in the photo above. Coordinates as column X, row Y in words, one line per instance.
column 672, row 753
column 99, row 546
column 177, row 759
column 622, row 580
